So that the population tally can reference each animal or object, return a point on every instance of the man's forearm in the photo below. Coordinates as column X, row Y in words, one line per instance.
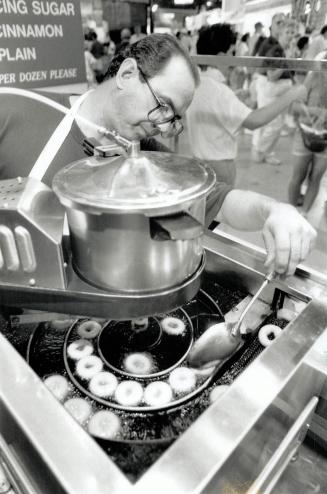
column 245, row 210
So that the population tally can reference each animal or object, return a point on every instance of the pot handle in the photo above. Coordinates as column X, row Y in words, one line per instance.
column 179, row 226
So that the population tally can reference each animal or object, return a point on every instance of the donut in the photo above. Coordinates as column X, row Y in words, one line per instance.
column 173, row 326
column 89, row 329
column 158, row 393
column 268, row 330
column 58, row 385
column 79, row 349
column 140, row 323
column 182, row 379
column 103, row 384
column 79, row 408
column 129, row 393
column 61, row 323
column 286, row 314
column 139, row 363
column 104, row 424
column 218, row 391
column 89, row 366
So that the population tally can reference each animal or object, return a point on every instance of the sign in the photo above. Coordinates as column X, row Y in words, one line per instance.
column 41, row 43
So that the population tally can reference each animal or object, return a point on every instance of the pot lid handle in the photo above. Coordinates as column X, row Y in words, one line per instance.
column 180, row 226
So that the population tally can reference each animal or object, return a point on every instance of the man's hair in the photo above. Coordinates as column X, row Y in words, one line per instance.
column 215, row 39
column 257, row 25
column 323, row 30
column 152, row 53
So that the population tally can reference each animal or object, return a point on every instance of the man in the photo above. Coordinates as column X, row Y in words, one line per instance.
column 216, row 115
column 258, row 31
column 147, row 89
column 277, row 24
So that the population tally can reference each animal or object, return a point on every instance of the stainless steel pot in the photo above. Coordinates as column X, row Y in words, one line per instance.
column 136, row 224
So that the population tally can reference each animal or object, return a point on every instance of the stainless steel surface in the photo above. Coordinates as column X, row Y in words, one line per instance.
column 30, row 234
column 66, row 459
column 115, row 243
column 230, row 443
column 19, row 481
column 274, row 468
column 235, row 328
column 80, row 298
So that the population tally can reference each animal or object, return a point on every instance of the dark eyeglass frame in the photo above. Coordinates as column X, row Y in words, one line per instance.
column 162, row 104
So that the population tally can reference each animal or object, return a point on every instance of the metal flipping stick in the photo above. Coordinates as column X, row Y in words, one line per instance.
column 235, row 330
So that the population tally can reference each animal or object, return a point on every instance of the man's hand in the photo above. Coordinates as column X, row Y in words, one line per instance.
column 288, row 238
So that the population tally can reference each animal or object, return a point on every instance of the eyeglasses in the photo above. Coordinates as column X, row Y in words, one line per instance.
column 163, row 113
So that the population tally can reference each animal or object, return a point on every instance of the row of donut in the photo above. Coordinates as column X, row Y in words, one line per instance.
column 104, row 424
column 104, row 384
column 172, row 325
column 100, row 423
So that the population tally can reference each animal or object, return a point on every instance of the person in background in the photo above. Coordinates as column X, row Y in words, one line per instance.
column 216, row 115
column 277, row 25
column 269, row 87
column 309, row 164
column 258, row 32
column 302, row 46
column 97, row 47
column 147, row 89
column 92, row 65
column 318, row 44
column 137, row 35
column 125, row 39
column 243, row 49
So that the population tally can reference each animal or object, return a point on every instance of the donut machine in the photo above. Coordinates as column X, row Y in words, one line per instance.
column 243, row 440
column 233, row 426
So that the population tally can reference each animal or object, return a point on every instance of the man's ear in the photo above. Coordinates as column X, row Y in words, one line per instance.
column 127, row 72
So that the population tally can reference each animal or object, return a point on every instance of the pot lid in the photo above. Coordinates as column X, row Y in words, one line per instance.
column 144, row 183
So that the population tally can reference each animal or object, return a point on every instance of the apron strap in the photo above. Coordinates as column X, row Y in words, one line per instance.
column 56, row 140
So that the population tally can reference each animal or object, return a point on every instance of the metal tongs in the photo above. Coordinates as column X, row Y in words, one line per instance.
column 235, row 328
column 221, row 340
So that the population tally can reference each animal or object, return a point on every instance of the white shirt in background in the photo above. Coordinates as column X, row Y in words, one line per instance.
column 214, row 118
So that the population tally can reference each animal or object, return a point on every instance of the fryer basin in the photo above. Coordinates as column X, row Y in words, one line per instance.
column 229, row 445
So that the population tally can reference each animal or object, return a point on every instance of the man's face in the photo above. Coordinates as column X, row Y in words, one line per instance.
column 287, row 35
column 277, row 25
column 173, row 85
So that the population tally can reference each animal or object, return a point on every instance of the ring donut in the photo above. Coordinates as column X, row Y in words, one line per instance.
column 173, row 326
column 158, row 393
column 79, row 349
column 139, row 363
column 58, row 385
column 104, row 424
column 182, row 380
column 268, row 334
column 89, row 366
column 79, row 408
column 129, row 393
column 103, row 384
column 89, row 329
column 286, row 314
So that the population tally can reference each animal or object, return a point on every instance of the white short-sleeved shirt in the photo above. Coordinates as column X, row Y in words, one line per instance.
column 214, row 118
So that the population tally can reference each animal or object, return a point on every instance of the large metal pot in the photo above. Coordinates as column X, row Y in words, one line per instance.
column 136, row 224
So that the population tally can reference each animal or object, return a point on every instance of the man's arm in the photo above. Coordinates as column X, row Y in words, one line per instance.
column 287, row 235
column 264, row 115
